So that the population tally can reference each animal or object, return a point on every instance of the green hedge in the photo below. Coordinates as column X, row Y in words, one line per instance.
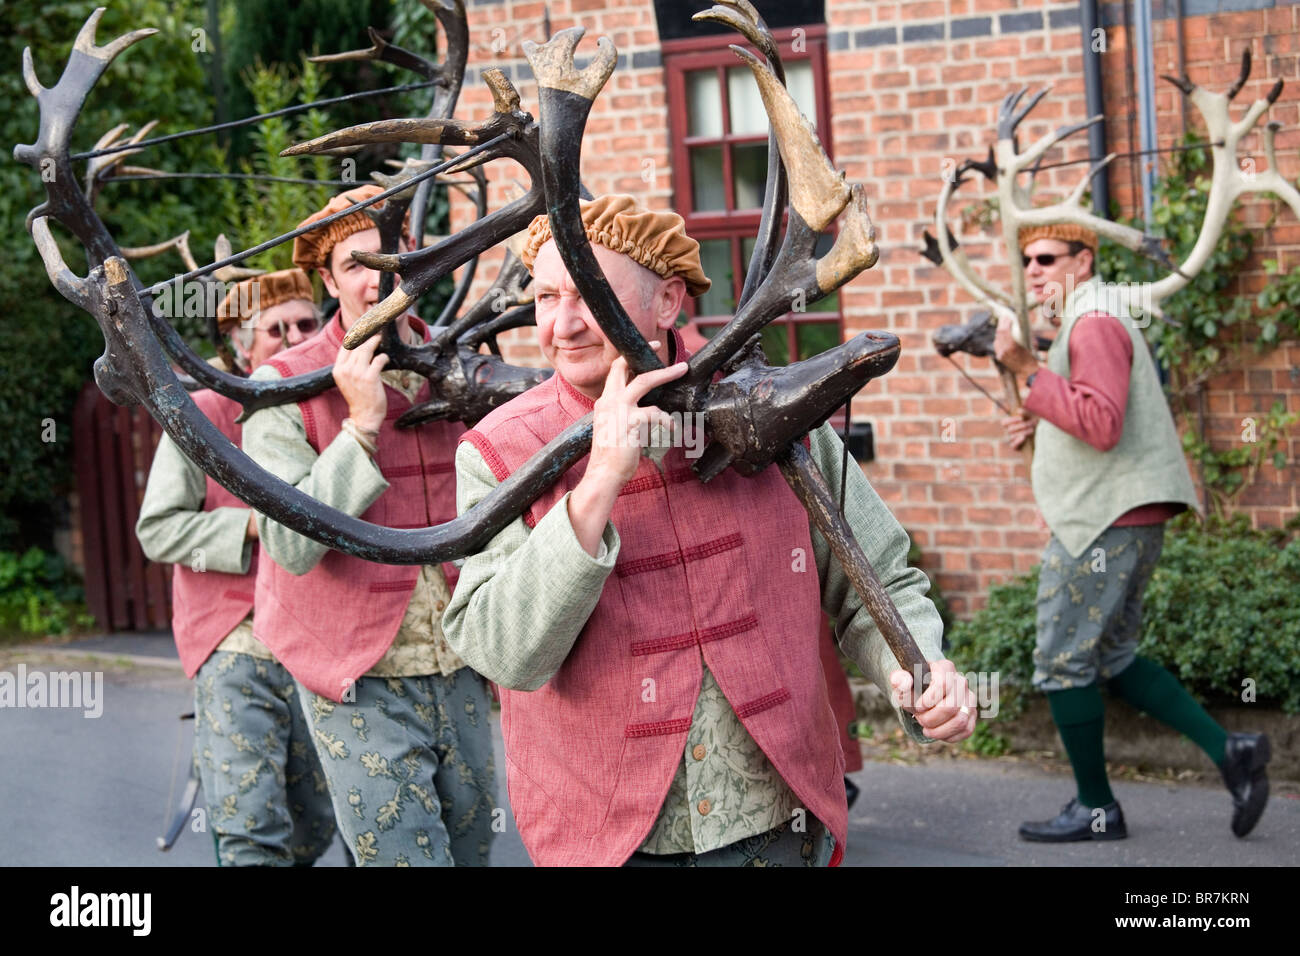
column 39, row 595
column 1222, row 607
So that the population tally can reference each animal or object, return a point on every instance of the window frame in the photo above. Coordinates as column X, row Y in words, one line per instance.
column 696, row 53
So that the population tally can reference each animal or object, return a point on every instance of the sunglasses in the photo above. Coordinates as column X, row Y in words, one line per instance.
column 305, row 326
column 1044, row 258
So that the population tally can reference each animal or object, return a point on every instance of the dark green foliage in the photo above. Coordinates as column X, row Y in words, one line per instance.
column 280, row 31
column 1000, row 639
column 1221, row 609
column 1216, row 328
column 1224, row 607
column 47, row 345
column 255, row 211
column 39, row 595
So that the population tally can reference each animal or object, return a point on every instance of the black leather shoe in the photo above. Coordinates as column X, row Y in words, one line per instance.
column 851, row 791
column 1245, row 758
column 1077, row 822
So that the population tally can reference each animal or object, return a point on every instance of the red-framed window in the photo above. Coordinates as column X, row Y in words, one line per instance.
column 719, row 161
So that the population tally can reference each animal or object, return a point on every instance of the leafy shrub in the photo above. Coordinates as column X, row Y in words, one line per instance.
column 1220, row 609
column 1000, row 639
column 1212, row 327
column 47, row 344
column 39, row 595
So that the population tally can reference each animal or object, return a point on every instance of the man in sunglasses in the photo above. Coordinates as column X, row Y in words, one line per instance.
column 401, row 725
column 1108, row 472
column 267, row 800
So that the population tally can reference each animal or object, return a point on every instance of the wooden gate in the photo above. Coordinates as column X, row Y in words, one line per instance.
column 113, row 448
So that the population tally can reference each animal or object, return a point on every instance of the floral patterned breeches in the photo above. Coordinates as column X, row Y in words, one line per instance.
column 1090, row 607
column 410, row 769
column 268, row 804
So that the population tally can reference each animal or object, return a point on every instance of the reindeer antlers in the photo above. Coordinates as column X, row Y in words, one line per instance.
column 508, row 132
column 1006, row 162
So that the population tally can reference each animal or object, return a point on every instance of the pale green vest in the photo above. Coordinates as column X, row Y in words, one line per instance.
column 1081, row 490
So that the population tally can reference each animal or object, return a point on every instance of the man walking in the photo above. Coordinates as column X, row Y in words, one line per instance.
column 400, row 723
column 267, row 800
column 1108, row 472
column 658, row 638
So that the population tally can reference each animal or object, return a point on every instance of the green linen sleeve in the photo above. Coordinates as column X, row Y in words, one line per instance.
column 342, row 476
column 173, row 528
column 523, row 600
column 885, row 544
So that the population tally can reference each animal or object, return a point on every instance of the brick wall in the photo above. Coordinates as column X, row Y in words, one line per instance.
column 914, row 85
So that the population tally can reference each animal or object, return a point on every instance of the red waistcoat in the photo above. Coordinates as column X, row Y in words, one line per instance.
column 705, row 573
column 332, row 624
column 208, row 605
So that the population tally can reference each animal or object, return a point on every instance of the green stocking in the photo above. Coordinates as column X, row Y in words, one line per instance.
column 1153, row 690
column 1080, row 717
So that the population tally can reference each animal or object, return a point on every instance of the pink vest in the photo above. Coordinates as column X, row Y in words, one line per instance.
column 705, row 572
column 208, row 605
column 332, row 624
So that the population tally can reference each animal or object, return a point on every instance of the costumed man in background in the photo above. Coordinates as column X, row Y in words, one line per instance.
column 1108, row 472
column 400, row 724
column 268, row 804
column 656, row 638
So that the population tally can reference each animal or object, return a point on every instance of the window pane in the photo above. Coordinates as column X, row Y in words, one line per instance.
column 749, row 169
column 715, row 259
column 706, row 179
column 776, row 343
column 746, row 250
column 704, row 102
column 814, row 338
column 746, row 105
column 799, row 81
column 747, row 113
column 830, row 303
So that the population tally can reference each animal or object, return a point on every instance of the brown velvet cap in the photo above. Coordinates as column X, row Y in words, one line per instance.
column 1064, row 231
column 262, row 292
column 311, row 250
column 657, row 240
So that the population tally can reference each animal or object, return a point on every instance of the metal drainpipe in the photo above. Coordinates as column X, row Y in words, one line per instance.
column 1146, row 89
column 1182, row 56
column 1089, row 19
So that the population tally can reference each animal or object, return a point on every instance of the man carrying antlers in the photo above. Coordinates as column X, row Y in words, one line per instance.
column 400, row 723
column 657, row 638
column 266, row 795
column 1108, row 472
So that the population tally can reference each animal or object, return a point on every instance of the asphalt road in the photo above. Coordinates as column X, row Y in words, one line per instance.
column 76, row 791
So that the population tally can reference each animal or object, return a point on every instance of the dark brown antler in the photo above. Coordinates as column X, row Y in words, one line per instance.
column 757, row 414
column 512, row 133
column 135, row 370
